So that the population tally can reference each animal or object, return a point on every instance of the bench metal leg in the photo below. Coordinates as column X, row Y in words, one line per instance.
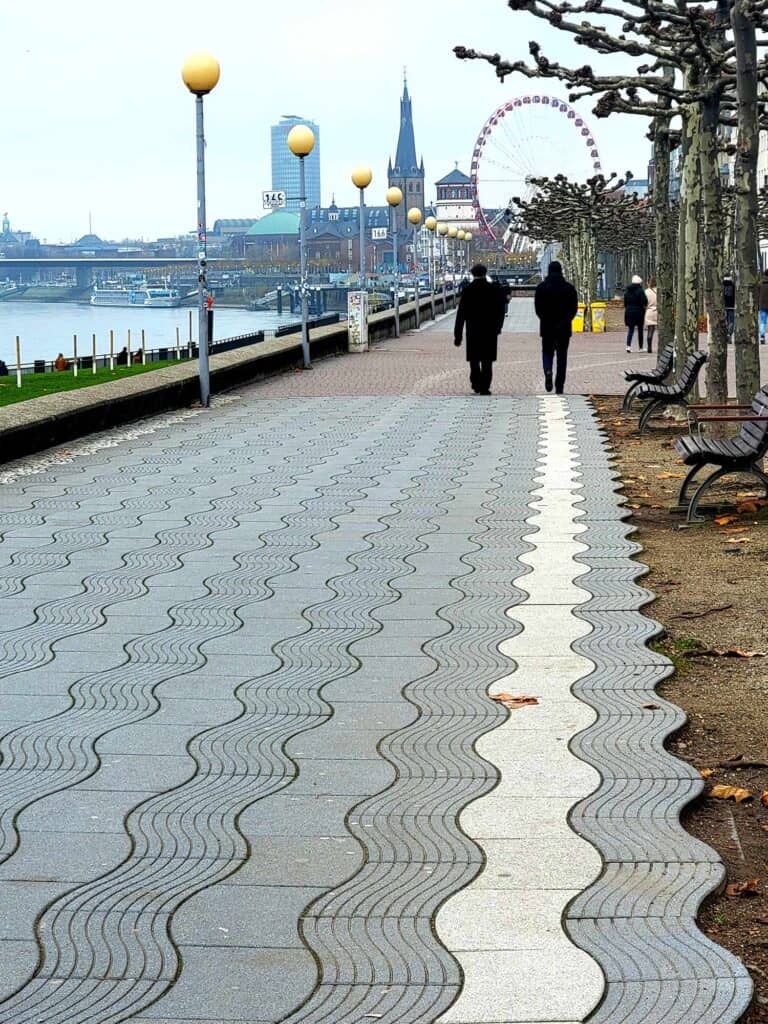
column 688, row 481
column 761, row 476
column 692, row 517
column 647, row 412
column 630, row 396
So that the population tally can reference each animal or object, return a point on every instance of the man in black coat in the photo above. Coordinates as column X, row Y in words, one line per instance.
column 556, row 304
column 481, row 308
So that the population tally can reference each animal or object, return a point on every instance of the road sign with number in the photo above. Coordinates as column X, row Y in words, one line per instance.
column 273, row 200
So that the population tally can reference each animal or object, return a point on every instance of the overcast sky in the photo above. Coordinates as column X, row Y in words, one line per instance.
column 95, row 116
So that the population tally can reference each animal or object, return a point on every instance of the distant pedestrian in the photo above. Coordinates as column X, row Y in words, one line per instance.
column 481, row 309
column 635, row 304
column 3, row 368
column 556, row 304
column 729, row 301
column 122, row 357
column 651, row 314
column 60, row 363
column 762, row 304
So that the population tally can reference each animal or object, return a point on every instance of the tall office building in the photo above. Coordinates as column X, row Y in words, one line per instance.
column 285, row 166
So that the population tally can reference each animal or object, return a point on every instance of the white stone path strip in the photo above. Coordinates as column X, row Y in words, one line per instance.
column 505, row 928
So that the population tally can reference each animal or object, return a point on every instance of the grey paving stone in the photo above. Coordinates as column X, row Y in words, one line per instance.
column 70, row 857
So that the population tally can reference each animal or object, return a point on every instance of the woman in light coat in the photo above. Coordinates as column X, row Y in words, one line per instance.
column 651, row 313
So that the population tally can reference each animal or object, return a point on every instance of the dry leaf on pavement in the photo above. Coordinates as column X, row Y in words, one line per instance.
column 728, row 792
column 725, row 520
column 706, row 772
column 512, row 702
column 666, row 475
column 764, row 799
column 731, row 652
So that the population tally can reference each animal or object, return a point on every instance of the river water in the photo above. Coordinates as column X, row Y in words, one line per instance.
column 46, row 328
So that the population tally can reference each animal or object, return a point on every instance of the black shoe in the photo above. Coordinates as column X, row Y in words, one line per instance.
column 548, row 380
column 484, row 392
column 558, row 391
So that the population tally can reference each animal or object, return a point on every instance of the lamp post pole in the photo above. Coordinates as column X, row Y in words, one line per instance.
column 301, row 142
column 414, row 219
column 442, row 230
column 394, row 198
column 431, row 225
column 200, row 74
column 357, row 305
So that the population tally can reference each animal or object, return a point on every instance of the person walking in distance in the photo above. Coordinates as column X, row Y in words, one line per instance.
column 651, row 314
column 729, row 301
column 556, row 305
column 635, row 303
column 762, row 304
column 481, row 310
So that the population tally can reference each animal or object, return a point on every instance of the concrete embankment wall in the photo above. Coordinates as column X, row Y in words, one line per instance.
column 40, row 423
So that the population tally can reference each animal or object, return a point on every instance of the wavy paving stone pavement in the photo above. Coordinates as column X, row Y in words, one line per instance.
column 250, row 770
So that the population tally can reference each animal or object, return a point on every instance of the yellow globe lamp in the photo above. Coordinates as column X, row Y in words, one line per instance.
column 200, row 73
column 362, row 177
column 453, row 231
column 460, row 235
column 430, row 223
column 442, row 229
column 467, row 236
column 301, row 140
column 394, row 196
column 414, row 216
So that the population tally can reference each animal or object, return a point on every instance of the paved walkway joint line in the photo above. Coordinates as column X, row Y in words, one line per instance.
column 506, row 927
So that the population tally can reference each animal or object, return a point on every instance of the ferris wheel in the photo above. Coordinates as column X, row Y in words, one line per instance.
column 528, row 137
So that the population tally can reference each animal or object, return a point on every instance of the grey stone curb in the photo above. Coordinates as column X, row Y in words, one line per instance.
column 638, row 920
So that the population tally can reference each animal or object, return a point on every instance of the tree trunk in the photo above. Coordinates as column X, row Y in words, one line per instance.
column 746, row 247
column 665, row 241
column 714, row 233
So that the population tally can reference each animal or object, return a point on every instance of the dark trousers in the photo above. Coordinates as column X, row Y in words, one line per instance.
column 551, row 347
column 481, row 374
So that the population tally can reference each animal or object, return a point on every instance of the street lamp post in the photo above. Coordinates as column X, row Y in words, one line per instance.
column 301, row 142
column 357, row 302
column 461, row 235
column 442, row 230
column 394, row 198
column 362, row 178
column 453, row 233
column 431, row 224
column 414, row 219
column 468, row 247
column 200, row 73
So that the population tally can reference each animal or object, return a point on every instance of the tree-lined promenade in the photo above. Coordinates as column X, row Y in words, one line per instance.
column 696, row 73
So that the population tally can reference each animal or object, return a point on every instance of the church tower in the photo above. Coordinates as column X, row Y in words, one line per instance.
column 406, row 172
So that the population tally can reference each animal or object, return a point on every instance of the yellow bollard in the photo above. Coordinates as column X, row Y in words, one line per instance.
column 18, row 361
column 74, row 354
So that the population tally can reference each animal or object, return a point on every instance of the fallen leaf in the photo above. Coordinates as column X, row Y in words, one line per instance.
column 738, row 529
column 512, row 702
column 748, row 888
column 738, row 540
column 633, row 506
column 701, row 615
column 728, row 792
column 669, row 476
column 725, row 520
column 731, row 652
column 748, row 506
column 764, row 799
column 706, row 772
column 652, row 707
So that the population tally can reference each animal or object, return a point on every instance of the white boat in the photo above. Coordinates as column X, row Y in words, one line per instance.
column 112, row 294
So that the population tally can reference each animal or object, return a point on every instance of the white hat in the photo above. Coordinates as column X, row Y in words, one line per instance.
column 637, row 279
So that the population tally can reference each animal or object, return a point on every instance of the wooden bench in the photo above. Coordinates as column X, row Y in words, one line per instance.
column 660, row 396
column 658, row 375
column 741, row 453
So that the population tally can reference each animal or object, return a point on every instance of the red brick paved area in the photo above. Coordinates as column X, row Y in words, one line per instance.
column 427, row 362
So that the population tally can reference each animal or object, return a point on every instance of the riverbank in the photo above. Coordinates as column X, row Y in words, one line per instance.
column 38, row 385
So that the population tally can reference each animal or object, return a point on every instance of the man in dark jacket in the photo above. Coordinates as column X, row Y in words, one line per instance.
column 481, row 308
column 556, row 304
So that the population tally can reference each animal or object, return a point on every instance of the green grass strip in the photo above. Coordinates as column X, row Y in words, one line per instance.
column 35, row 385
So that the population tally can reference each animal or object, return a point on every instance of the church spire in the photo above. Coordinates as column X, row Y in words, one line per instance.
column 406, row 163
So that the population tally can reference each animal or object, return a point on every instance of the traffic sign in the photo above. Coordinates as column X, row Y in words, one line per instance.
column 273, row 200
